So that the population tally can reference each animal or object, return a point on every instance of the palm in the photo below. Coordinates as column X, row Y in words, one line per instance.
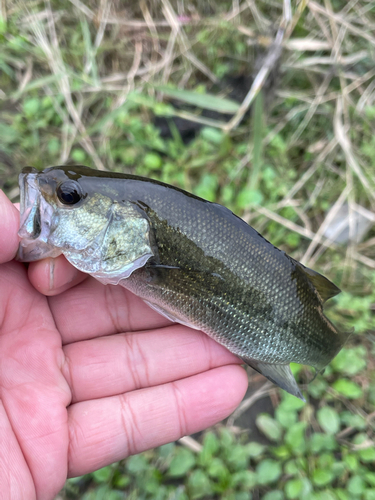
column 74, row 395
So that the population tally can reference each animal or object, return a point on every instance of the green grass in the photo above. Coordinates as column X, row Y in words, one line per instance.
column 77, row 85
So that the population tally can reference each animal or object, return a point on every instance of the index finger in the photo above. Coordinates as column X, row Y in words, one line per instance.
column 9, row 223
column 91, row 310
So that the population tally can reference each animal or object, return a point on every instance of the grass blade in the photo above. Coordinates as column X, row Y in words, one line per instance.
column 204, row 101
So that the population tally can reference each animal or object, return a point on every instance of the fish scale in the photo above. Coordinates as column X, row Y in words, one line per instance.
column 193, row 261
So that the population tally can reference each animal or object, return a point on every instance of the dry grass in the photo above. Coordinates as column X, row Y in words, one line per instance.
column 330, row 51
column 313, row 62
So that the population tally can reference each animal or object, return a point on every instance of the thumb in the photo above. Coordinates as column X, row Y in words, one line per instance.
column 9, row 223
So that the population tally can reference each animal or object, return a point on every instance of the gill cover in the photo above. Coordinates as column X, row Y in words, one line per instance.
column 121, row 247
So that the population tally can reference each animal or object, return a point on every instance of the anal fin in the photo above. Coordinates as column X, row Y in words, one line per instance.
column 280, row 375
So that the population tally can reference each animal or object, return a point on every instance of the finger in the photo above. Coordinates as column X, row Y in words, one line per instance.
column 15, row 478
column 103, row 431
column 33, row 390
column 9, row 224
column 91, row 309
column 54, row 275
column 122, row 363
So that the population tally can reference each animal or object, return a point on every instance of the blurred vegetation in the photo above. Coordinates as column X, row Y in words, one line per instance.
column 93, row 83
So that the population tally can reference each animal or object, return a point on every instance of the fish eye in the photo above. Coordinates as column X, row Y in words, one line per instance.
column 69, row 193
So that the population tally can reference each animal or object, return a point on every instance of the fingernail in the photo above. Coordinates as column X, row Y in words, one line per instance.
column 51, row 273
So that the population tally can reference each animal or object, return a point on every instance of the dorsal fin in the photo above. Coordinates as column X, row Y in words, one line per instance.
column 325, row 288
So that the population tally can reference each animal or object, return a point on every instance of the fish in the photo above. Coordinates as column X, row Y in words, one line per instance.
column 193, row 261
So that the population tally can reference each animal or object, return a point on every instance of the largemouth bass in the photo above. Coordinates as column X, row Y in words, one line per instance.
column 193, row 261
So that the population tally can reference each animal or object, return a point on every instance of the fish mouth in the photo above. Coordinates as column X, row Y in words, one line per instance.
column 35, row 220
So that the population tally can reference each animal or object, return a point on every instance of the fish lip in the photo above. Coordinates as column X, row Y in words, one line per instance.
column 33, row 244
column 28, row 199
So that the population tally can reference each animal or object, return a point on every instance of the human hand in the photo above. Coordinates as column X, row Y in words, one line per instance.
column 90, row 374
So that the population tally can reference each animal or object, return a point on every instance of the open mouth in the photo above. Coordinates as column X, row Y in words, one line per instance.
column 34, row 227
column 29, row 205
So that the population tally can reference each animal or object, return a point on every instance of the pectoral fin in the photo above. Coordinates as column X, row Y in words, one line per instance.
column 278, row 374
column 169, row 315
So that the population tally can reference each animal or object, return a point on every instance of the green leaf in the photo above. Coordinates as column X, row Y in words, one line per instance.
column 268, row 471
column 3, row 25
column 328, row 420
column 321, row 477
column 317, row 388
column 31, row 107
column 103, row 492
column 181, row 463
column 282, row 452
column 207, row 187
column 151, row 481
column 293, row 240
column 370, row 478
column 254, row 449
column 293, row 488
column 338, row 469
column 166, row 450
column 210, row 443
column 217, row 468
column 322, row 495
column 226, row 438
column 241, row 495
column 360, row 438
column 245, row 479
column 325, row 461
column 347, row 388
column 367, row 455
column 121, row 481
column 350, row 361
column 152, row 161
column 341, row 494
column 213, row 135
column 210, row 447
column 356, row 485
column 351, row 462
column 54, row 146
column 237, row 457
column 137, row 463
column 291, row 403
column 353, row 420
column 295, row 437
column 369, row 494
column 199, row 485
column 292, row 467
column 163, row 109
column 78, row 155
column 248, row 197
column 103, row 475
column 8, row 134
column 321, row 442
column 370, row 112
column 269, row 427
column 204, row 101
column 285, row 417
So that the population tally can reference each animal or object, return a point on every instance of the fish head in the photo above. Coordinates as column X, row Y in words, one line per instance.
column 64, row 212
